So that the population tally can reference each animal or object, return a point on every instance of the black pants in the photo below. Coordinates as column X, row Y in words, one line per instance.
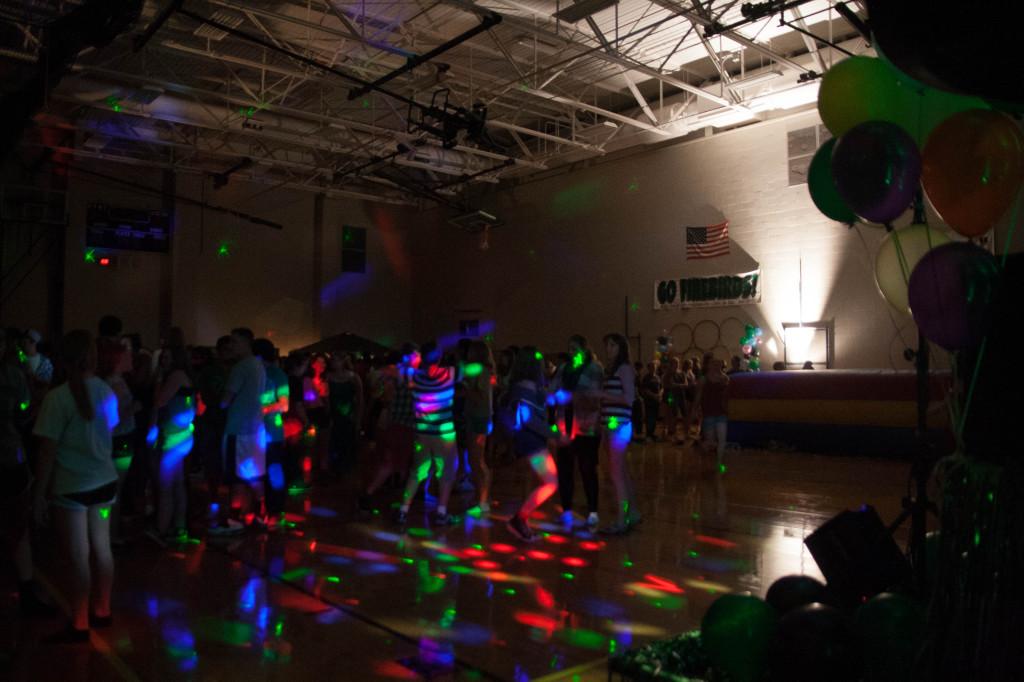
column 583, row 450
column 651, row 418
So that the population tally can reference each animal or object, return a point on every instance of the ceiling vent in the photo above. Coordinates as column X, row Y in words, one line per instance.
column 475, row 221
column 215, row 34
column 582, row 9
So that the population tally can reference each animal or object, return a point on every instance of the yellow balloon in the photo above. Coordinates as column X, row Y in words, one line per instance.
column 899, row 252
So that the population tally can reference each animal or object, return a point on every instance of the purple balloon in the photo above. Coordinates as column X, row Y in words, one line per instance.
column 876, row 167
column 950, row 290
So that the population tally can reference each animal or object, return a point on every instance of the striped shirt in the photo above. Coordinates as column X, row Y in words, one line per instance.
column 622, row 383
column 402, row 412
column 433, row 392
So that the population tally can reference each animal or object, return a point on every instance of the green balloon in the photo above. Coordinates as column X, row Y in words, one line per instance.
column 929, row 107
column 823, row 188
column 737, row 631
column 922, row 108
column 890, row 629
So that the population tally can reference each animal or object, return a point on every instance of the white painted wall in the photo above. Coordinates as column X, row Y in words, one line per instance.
column 575, row 245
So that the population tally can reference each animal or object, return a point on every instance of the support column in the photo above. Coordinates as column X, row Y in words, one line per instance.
column 318, row 264
column 165, row 309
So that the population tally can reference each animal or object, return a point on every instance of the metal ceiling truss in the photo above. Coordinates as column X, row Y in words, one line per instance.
column 317, row 93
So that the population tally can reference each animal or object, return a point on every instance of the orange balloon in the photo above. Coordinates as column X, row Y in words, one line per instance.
column 973, row 165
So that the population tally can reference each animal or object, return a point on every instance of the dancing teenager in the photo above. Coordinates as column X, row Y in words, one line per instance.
column 398, row 424
column 479, row 403
column 527, row 413
column 245, row 451
column 713, row 400
column 16, row 478
column 577, row 394
column 75, row 466
column 175, row 412
column 616, row 409
column 433, row 389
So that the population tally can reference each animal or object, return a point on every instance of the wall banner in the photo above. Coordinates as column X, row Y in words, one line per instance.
column 717, row 290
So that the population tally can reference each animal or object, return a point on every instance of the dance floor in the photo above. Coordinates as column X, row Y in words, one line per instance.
column 339, row 595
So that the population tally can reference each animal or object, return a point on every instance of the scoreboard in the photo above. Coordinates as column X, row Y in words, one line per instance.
column 128, row 229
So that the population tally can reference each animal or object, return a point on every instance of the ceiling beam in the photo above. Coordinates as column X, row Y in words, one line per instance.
column 598, row 110
column 597, row 53
column 809, row 42
column 735, row 36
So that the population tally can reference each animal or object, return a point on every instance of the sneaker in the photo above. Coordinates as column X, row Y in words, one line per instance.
column 69, row 635
column 260, row 524
column 478, row 510
column 592, row 521
column 567, row 518
column 518, row 526
column 100, row 622
column 615, row 529
column 445, row 519
column 157, row 537
column 229, row 527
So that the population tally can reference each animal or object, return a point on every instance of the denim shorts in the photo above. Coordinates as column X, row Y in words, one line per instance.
column 708, row 424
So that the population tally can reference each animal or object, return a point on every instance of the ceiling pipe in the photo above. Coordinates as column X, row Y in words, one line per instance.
column 489, row 20
column 177, row 109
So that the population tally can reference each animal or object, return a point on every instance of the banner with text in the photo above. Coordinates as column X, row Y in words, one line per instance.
column 689, row 292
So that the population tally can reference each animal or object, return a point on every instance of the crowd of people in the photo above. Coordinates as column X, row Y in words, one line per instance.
column 101, row 438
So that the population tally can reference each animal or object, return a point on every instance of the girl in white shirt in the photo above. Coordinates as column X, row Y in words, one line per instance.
column 617, row 397
column 75, row 470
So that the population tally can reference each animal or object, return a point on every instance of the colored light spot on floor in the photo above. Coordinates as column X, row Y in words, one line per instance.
column 536, row 620
column 333, row 579
column 502, row 548
column 295, row 574
column 584, row 639
column 574, row 561
column 569, row 576
column 486, row 565
column 717, row 542
column 539, row 555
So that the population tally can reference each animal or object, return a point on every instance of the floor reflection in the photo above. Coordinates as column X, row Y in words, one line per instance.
column 334, row 590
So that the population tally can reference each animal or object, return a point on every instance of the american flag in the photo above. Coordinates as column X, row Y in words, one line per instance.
column 707, row 242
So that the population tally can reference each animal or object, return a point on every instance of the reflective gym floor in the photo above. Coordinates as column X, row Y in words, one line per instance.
column 343, row 595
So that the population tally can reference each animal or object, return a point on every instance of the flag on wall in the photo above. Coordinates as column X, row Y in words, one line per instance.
column 707, row 242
